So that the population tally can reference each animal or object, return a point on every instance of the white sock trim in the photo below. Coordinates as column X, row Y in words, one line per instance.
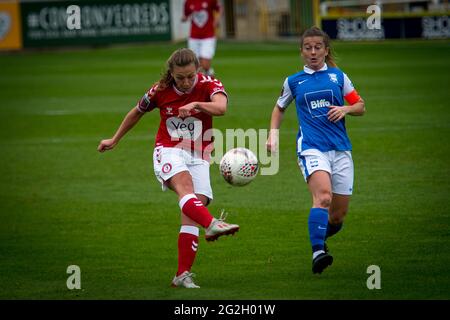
column 190, row 229
column 316, row 253
column 185, row 199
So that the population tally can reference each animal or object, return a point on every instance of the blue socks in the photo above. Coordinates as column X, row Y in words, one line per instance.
column 317, row 224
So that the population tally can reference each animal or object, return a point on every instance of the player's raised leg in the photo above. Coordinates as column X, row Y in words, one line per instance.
column 192, row 207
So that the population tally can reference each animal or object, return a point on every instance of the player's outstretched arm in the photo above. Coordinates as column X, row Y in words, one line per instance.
column 275, row 123
column 128, row 122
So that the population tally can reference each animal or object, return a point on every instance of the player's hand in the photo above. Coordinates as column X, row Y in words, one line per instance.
column 271, row 147
column 272, row 142
column 187, row 110
column 106, row 144
column 336, row 113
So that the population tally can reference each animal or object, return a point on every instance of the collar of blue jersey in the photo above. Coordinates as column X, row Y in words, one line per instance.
column 311, row 71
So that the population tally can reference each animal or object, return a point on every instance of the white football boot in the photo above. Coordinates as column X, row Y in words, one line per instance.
column 219, row 227
column 184, row 280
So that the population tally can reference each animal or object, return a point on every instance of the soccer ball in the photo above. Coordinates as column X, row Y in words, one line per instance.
column 239, row 166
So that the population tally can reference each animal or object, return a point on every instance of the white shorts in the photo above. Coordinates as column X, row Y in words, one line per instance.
column 203, row 48
column 339, row 164
column 167, row 162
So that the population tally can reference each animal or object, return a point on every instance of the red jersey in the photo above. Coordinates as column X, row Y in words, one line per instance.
column 202, row 11
column 189, row 132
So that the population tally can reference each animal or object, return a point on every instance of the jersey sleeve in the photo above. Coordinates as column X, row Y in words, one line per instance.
column 349, row 92
column 147, row 103
column 286, row 97
column 215, row 86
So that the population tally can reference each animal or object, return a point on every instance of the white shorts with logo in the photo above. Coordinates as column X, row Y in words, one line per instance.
column 203, row 48
column 339, row 164
column 167, row 162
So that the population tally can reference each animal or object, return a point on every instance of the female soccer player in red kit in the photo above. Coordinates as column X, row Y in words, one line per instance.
column 187, row 100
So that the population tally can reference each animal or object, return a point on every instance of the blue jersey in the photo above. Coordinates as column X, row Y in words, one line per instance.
column 314, row 92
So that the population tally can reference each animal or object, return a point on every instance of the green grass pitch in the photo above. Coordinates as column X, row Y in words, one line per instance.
column 62, row 203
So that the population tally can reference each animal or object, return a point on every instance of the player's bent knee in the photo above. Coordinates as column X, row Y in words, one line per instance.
column 323, row 200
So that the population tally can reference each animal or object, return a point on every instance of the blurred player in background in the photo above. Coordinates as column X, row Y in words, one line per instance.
column 323, row 146
column 205, row 18
column 187, row 100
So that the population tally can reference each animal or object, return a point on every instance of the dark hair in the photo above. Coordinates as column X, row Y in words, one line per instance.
column 179, row 58
column 316, row 32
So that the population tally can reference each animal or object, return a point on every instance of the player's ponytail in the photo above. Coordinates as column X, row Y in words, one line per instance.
column 316, row 32
column 180, row 58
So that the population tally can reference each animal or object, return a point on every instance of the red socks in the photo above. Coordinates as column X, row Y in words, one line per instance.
column 194, row 209
column 187, row 248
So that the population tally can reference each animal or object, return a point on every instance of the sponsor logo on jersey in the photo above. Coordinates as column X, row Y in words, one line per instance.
column 189, row 128
column 320, row 104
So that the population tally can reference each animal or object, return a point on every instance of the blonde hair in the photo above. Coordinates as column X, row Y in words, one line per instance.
column 179, row 58
column 316, row 32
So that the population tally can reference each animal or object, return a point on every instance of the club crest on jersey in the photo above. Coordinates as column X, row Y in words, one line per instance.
column 200, row 18
column 333, row 77
column 169, row 111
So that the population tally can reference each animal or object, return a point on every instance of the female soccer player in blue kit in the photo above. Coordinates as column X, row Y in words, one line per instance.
column 323, row 147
